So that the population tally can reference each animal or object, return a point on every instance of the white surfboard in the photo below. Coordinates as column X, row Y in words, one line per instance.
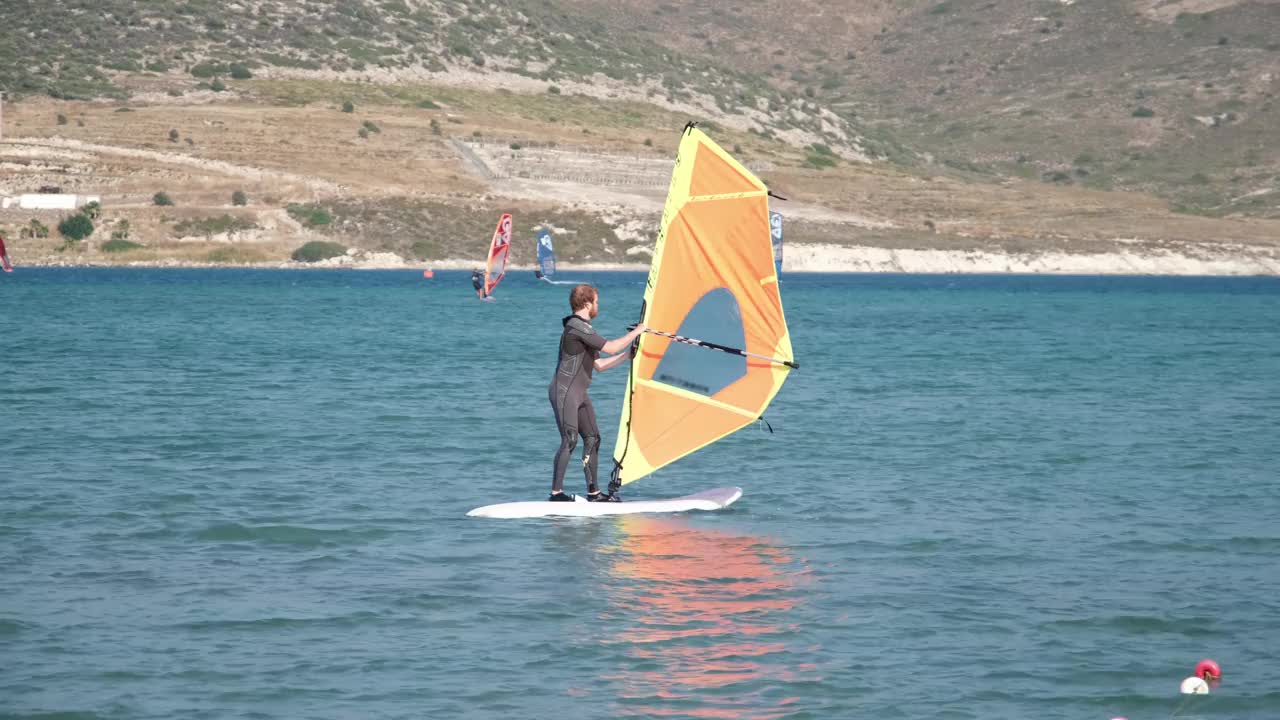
column 715, row 499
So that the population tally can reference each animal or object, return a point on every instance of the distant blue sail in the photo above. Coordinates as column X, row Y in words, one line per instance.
column 546, row 254
column 775, row 230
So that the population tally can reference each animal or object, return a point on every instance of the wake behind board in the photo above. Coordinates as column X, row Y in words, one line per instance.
column 715, row 499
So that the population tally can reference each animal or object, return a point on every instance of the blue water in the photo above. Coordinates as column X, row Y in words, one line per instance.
column 241, row 494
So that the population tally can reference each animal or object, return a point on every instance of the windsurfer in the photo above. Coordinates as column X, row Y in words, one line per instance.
column 477, row 282
column 580, row 349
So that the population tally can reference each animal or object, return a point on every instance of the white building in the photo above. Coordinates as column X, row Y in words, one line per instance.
column 48, row 201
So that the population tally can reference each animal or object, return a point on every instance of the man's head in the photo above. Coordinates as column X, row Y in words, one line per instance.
column 585, row 296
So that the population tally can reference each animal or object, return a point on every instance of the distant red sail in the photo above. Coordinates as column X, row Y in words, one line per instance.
column 496, row 267
column 4, row 257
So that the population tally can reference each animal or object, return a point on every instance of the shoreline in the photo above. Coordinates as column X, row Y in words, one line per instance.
column 1202, row 260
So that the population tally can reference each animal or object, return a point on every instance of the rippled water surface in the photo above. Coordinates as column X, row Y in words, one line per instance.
column 241, row 494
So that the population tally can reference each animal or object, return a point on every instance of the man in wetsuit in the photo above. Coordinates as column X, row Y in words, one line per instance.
column 477, row 282
column 580, row 348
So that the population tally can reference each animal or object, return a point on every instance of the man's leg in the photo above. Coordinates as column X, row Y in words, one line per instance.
column 590, row 443
column 567, row 422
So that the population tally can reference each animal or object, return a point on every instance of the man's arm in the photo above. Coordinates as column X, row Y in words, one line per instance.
column 616, row 345
column 602, row 364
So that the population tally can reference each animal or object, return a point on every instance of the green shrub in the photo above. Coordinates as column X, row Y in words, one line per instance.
column 235, row 255
column 205, row 70
column 173, row 135
column 62, row 119
column 1144, row 112
column 318, row 250
column 211, row 226
column 309, row 215
column 819, row 156
column 35, row 229
column 240, row 72
column 435, row 127
column 239, row 198
column 363, row 133
column 372, row 126
column 76, row 227
column 217, row 85
column 515, row 146
column 428, row 105
column 116, row 245
column 554, row 89
column 162, row 198
column 348, row 106
column 424, row 249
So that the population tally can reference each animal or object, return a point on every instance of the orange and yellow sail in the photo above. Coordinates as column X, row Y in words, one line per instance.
column 713, row 278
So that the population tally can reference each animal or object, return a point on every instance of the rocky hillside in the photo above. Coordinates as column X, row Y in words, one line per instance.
column 81, row 49
column 1056, row 131
column 1176, row 97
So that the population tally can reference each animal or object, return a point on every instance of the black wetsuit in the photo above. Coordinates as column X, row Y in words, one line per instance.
column 477, row 281
column 580, row 345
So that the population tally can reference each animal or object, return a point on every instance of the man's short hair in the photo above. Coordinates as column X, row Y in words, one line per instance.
column 581, row 296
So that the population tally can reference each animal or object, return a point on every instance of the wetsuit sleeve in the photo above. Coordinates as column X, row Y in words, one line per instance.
column 586, row 335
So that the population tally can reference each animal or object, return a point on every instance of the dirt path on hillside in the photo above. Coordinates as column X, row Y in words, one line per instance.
column 61, row 148
column 641, row 201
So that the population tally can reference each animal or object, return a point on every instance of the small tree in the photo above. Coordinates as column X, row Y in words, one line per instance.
column 173, row 135
column 318, row 250
column 121, row 231
column 76, row 227
column 92, row 210
column 217, row 85
column 36, row 229
column 239, row 198
column 348, row 106
column 62, row 119
column 162, row 198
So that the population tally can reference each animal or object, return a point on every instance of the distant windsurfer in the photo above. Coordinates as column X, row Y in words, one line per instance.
column 580, row 349
column 477, row 282
column 4, row 257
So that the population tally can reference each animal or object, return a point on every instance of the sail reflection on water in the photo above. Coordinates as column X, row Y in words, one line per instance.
column 704, row 623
